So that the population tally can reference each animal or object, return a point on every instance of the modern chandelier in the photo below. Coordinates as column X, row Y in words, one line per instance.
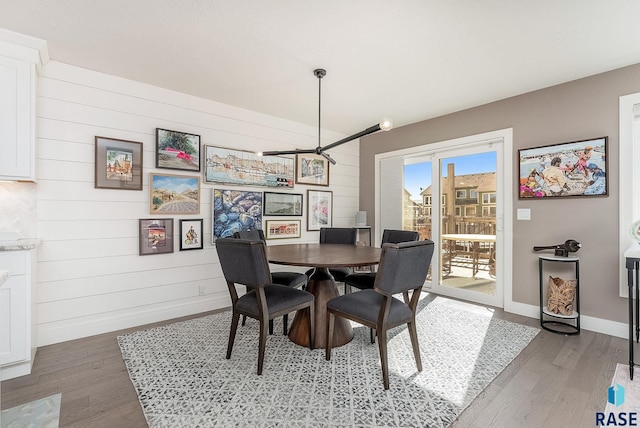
column 384, row 125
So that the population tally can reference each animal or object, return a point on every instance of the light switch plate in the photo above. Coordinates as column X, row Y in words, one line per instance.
column 524, row 214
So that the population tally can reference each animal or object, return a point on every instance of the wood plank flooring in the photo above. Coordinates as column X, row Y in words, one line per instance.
column 557, row 381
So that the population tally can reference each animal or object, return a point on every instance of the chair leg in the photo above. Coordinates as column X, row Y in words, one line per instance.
column 312, row 327
column 330, row 322
column 405, row 295
column 262, row 343
column 270, row 327
column 347, row 289
column 244, row 320
column 384, row 358
column 232, row 332
column 285, row 324
column 372, row 334
column 413, row 334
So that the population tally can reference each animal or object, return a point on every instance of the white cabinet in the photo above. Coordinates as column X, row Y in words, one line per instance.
column 17, row 327
column 17, row 118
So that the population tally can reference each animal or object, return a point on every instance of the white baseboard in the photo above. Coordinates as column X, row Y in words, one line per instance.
column 48, row 334
column 598, row 325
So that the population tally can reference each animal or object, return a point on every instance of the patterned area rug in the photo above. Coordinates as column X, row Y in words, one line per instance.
column 183, row 379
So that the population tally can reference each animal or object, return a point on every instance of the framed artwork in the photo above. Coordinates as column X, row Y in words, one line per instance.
column 319, row 209
column 238, row 167
column 283, row 229
column 156, row 236
column 177, row 150
column 191, row 234
column 235, row 211
column 118, row 164
column 312, row 169
column 578, row 168
column 174, row 194
column 289, row 204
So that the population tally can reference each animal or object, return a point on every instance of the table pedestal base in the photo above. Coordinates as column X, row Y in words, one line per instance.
column 323, row 286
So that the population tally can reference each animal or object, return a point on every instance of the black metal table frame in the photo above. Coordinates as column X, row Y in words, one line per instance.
column 546, row 324
column 633, row 264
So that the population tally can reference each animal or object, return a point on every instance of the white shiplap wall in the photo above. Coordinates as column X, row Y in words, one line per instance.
column 90, row 277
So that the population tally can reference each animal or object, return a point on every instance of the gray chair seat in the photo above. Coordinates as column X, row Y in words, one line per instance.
column 279, row 298
column 359, row 305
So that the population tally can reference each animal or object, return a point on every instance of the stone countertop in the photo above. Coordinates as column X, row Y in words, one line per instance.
column 19, row 245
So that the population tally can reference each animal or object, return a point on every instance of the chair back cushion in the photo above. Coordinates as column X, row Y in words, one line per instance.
column 396, row 236
column 338, row 235
column 243, row 261
column 251, row 235
column 403, row 266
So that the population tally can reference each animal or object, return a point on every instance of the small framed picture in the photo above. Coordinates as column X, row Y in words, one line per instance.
column 289, row 204
column 312, row 169
column 319, row 209
column 156, row 236
column 174, row 194
column 283, row 229
column 191, row 234
column 177, row 150
column 118, row 164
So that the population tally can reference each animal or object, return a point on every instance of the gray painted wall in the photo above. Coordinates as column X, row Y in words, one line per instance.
column 581, row 109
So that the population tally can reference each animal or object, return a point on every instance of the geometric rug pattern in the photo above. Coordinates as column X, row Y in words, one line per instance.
column 183, row 379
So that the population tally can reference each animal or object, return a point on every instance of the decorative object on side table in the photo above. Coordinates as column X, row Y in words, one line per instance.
column 634, row 230
column 156, row 236
column 190, row 234
column 118, row 164
column 177, row 150
column 561, row 250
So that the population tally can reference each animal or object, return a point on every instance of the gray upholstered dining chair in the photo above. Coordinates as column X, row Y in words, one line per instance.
column 338, row 235
column 245, row 262
column 365, row 280
column 290, row 279
column 403, row 267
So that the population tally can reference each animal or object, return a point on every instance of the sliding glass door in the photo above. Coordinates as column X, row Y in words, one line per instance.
column 453, row 196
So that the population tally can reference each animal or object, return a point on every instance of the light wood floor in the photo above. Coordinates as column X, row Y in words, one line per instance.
column 557, row 381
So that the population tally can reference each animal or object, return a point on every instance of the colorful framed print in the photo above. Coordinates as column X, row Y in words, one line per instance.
column 319, row 209
column 283, row 229
column 177, row 150
column 578, row 168
column 289, row 204
column 118, row 164
column 242, row 168
column 174, row 194
column 312, row 169
column 156, row 236
column 235, row 211
column 190, row 234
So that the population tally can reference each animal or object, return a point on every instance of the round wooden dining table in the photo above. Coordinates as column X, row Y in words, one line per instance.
column 322, row 285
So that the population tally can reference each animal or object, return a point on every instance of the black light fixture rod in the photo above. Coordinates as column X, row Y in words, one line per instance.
column 319, row 73
column 367, row 131
column 287, row 152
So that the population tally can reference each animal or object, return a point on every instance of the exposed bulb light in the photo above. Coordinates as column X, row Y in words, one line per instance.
column 258, row 153
column 386, row 124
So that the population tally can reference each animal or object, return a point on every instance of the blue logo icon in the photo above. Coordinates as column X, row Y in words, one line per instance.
column 616, row 395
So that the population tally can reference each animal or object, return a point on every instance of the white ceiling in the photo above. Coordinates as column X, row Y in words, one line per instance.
column 406, row 59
